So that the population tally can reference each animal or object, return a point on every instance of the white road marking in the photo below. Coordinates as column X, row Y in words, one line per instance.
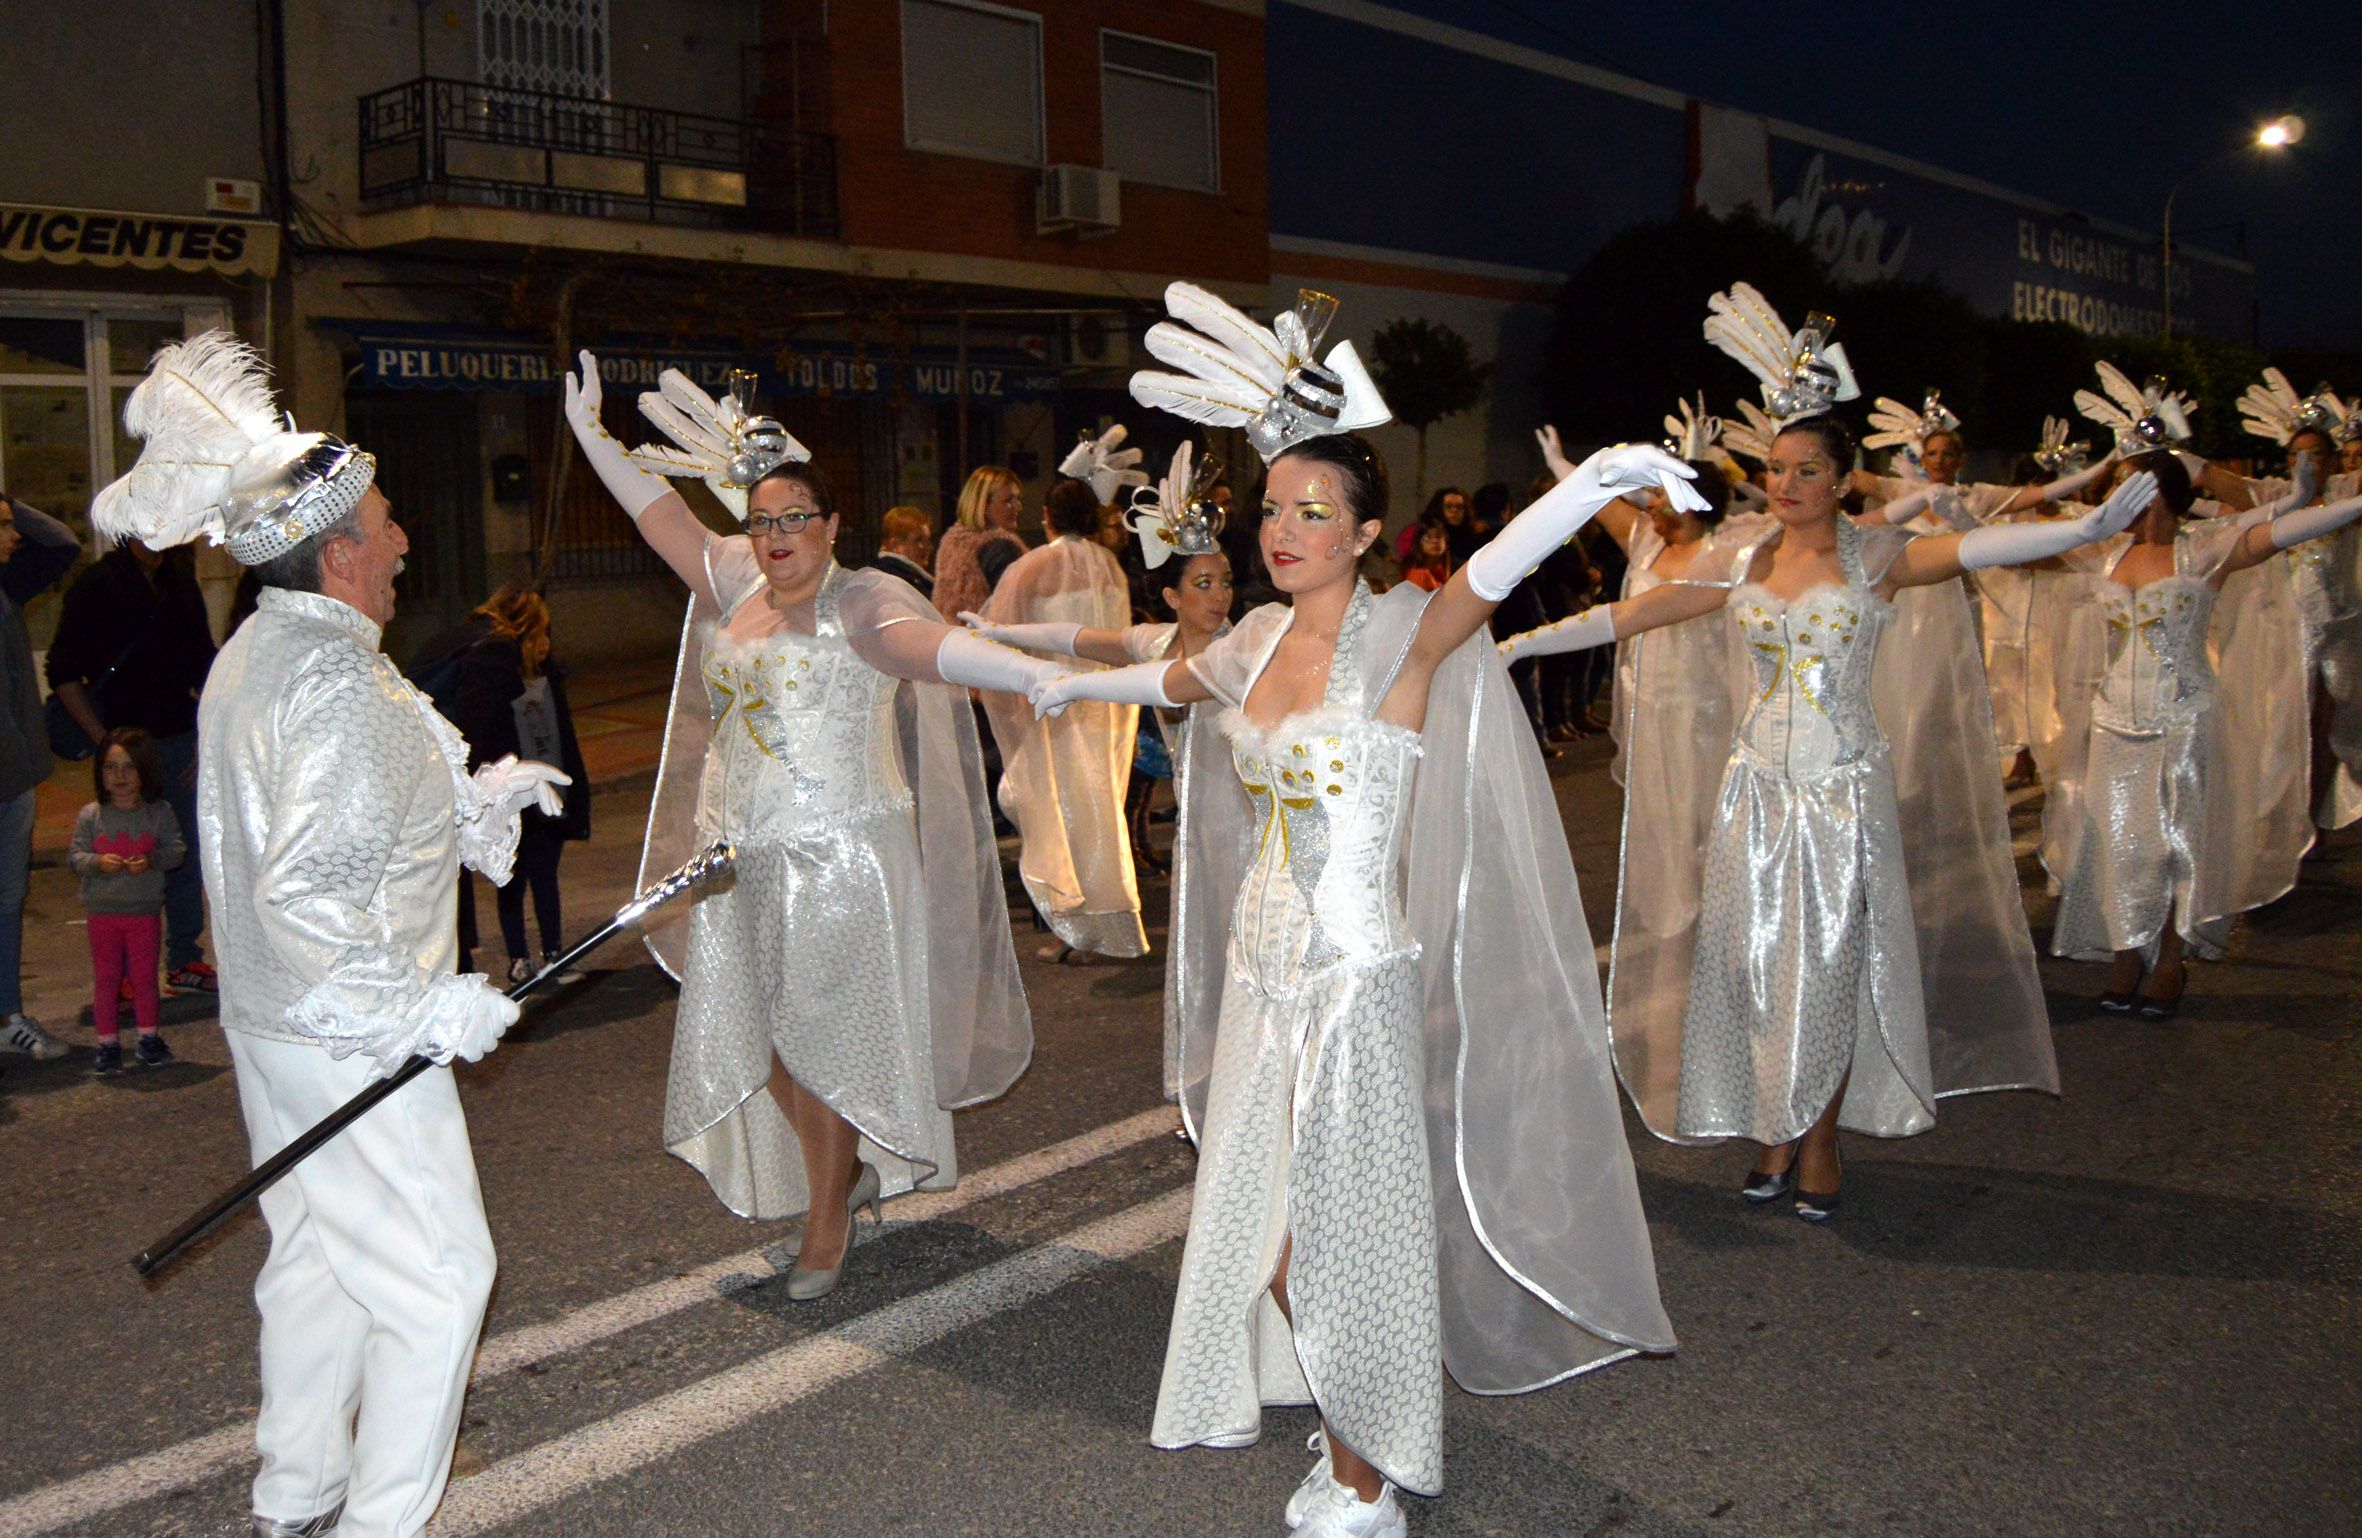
column 623, row 1443
column 184, row 1463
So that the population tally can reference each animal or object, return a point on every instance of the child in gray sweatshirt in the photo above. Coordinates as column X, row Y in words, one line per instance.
column 123, row 844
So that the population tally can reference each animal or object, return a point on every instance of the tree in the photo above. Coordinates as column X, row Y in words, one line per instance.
column 1427, row 372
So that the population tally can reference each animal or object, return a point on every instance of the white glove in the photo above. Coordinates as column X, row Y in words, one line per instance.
column 2014, row 544
column 509, row 784
column 477, row 1029
column 1595, row 626
column 1143, row 683
column 1552, row 454
column 460, row 1017
column 2313, row 522
column 1615, row 471
column 964, row 657
column 626, row 482
column 1048, row 636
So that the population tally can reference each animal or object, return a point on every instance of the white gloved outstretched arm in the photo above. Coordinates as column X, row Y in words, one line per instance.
column 633, row 488
column 1045, row 636
column 2014, row 544
column 1143, row 683
column 1529, row 539
column 964, row 657
column 1595, row 626
column 2312, row 522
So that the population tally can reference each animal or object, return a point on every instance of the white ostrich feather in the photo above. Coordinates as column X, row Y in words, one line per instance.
column 1694, row 434
column 205, row 402
column 1751, row 435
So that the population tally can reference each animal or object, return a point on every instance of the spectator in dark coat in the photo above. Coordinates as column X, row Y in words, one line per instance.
column 492, row 676
column 133, row 647
column 35, row 551
column 906, row 547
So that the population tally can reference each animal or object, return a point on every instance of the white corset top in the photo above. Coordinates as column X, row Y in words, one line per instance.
column 1812, row 656
column 803, row 734
column 1332, row 793
column 2158, row 668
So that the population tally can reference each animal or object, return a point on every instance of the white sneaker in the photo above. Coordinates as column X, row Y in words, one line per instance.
column 1316, row 1481
column 23, row 1033
column 1336, row 1512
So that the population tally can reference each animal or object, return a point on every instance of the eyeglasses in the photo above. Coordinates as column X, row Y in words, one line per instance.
column 784, row 523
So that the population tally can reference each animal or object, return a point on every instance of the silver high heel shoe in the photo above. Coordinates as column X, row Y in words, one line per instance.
column 808, row 1284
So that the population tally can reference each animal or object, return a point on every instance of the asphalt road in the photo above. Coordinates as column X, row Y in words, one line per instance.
column 2128, row 1311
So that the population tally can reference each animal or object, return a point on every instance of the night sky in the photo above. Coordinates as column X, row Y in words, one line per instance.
column 2099, row 108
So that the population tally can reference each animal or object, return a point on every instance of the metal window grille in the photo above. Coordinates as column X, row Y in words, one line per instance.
column 558, row 46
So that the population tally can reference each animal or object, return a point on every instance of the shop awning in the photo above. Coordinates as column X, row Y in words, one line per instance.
column 410, row 355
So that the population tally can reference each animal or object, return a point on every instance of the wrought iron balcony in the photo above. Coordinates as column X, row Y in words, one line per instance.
column 453, row 141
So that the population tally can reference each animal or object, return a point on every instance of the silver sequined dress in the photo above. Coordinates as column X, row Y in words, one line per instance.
column 883, row 982
column 2144, row 857
column 1807, row 965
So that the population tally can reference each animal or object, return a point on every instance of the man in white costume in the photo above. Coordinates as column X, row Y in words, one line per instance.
column 335, row 811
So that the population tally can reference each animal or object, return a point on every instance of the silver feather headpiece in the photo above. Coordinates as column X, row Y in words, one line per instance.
column 722, row 443
column 1265, row 379
column 1103, row 461
column 1901, row 427
column 2057, row 456
column 1804, row 373
column 218, row 460
column 2143, row 417
column 2272, row 410
column 1693, row 434
column 1178, row 516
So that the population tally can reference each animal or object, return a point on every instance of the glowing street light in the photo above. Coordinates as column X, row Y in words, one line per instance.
column 2278, row 134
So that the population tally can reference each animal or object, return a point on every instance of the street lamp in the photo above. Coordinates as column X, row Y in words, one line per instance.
column 2278, row 134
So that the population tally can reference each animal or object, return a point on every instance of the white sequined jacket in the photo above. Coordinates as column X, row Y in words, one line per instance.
column 334, row 810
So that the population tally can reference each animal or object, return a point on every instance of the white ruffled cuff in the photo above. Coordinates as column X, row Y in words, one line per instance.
column 389, row 1009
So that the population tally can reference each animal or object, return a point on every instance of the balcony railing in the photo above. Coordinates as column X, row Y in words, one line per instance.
column 453, row 141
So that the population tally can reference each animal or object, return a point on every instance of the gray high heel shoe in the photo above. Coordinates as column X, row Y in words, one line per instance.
column 808, row 1284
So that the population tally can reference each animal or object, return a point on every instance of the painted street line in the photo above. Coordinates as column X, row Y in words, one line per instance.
column 518, row 1486
column 160, row 1473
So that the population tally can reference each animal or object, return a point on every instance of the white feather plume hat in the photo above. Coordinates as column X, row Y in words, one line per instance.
column 218, row 460
column 1266, row 379
column 1178, row 516
column 2143, row 417
column 2274, row 410
column 720, row 442
column 1804, row 372
column 1898, row 426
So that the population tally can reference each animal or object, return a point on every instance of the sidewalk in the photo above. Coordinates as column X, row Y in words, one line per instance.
column 618, row 715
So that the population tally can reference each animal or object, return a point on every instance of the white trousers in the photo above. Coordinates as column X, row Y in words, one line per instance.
column 373, row 1294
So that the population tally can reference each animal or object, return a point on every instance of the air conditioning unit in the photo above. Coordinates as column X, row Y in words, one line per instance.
column 1085, row 199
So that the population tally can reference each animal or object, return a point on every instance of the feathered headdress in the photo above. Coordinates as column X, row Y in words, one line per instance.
column 1804, row 373
column 722, row 443
column 2143, row 417
column 2272, row 410
column 1236, row 373
column 1178, row 516
column 1752, row 434
column 1105, row 463
column 1693, row 434
column 1901, row 427
column 2057, row 456
column 217, row 459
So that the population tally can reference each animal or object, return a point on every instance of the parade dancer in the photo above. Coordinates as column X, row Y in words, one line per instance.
column 2152, row 868
column 1063, row 781
column 335, row 810
column 1806, row 1010
column 1176, row 520
column 1408, row 1142
column 2325, row 575
column 859, row 965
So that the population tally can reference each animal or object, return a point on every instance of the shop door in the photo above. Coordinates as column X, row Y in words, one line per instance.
column 430, row 468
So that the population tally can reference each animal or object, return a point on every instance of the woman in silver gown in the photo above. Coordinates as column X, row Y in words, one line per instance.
column 1409, row 1149
column 2152, row 866
column 1805, row 1010
column 858, row 967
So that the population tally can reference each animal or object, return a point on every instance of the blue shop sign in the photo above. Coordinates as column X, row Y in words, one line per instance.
column 421, row 357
